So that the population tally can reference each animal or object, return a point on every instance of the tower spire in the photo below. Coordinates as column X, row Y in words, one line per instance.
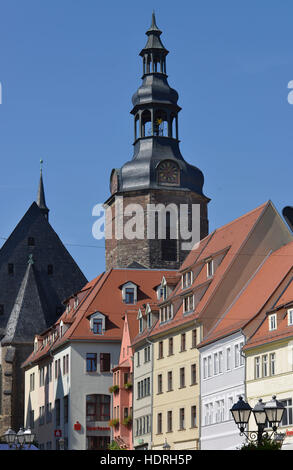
column 41, row 201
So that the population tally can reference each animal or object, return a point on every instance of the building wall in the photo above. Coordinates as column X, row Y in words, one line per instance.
column 221, row 389
column 84, row 383
column 280, row 384
column 146, row 251
column 178, row 398
column 142, row 407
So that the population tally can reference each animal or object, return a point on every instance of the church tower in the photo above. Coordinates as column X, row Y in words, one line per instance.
column 156, row 176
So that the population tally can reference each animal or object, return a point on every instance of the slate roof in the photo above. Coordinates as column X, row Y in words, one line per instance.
column 31, row 297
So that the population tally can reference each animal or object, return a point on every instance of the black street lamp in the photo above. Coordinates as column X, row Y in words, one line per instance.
column 20, row 439
column 265, row 415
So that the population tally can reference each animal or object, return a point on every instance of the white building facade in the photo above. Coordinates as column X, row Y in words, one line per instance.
column 222, row 381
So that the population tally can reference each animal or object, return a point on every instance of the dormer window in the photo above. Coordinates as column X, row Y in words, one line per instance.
column 188, row 304
column 149, row 316
column 290, row 317
column 140, row 321
column 129, row 293
column 273, row 322
column 98, row 323
column 187, row 279
column 76, row 302
column 210, row 268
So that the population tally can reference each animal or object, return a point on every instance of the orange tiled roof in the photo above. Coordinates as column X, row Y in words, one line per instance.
column 257, row 293
column 104, row 296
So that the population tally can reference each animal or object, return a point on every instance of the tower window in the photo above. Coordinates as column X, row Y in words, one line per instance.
column 10, row 269
column 31, row 241
column 50, row 269
column 1, row 309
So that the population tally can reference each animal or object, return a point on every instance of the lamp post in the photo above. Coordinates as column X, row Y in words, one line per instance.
column 271, row 412
column 20, row 439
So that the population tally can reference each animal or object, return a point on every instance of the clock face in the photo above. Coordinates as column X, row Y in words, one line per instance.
column 168, row 173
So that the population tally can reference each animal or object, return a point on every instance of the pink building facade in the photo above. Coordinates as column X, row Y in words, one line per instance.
column 122, row 386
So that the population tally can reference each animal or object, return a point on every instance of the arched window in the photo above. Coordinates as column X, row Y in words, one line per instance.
column 146, row 124
column 160, row 123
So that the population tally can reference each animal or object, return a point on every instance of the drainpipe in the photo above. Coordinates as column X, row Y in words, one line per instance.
column 152, row 369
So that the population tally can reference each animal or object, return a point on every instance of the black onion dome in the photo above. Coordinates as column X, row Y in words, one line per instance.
column 155, row 88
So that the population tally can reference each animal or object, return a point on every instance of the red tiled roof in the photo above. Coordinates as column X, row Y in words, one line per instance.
column 228, row 240
column 105, row 297
column 257, row 293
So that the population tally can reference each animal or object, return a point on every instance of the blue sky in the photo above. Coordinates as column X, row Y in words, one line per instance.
column 68, row 69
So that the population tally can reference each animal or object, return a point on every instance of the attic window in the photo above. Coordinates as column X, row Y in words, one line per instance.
column 273, row 322
column 210, row 268
column 187, row 279
column 98, row 323
column 290, row 317
column 97, row 326
column 129, row 293
column 140, row 321
column 31, row 241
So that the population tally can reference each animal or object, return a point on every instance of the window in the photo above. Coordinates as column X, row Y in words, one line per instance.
column 228, row 358
column 257, row 367
column 209, row 366
column 97, row 326
column 31, row 241
column 182, row 377
column 149, row 320
column 49, row 412
column 170, row 343
column 66, row 364
column 188, row 304
column 161, row 350
column 169, row 421
column 290, row 317
column 216, row 364
column 265, row 365
column 105, row 362
column 42, row 415
column 186, row 279
column 32, row 419
column 137, row 359
column 181, row 419
column 129, row 295
column 193, row 374
column 273, row 322
column 194, row 338
column 57, row 368
column 210, row 268
column 170, row 381
column 147, row 354
column 32, row 382
column 57, row 412
column 205, row 368
column 287, row 417
column 42, row 376
column 208, row 413
column 183, row 342
column 193, row 417
column 272, row 363
column 91, row 362
column 237, row 355
column 160, row 383
column 144, row 388
column 10, row 269
column 220, row 362
column 1, row 309
column 50, row 269
column 65, row 408
column 159, row 423
column 98, row 407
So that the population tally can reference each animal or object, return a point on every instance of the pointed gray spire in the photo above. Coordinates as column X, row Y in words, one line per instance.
column 154, row 26
column 41, row 201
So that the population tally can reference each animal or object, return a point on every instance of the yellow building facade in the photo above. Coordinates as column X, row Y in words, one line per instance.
column 269, row 372
column 176, row 388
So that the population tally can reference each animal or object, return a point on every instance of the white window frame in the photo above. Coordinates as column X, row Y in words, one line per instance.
column 129, row 285
column 100, row 316
column 210, row 268
column 273, row 322
column 290, row 316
